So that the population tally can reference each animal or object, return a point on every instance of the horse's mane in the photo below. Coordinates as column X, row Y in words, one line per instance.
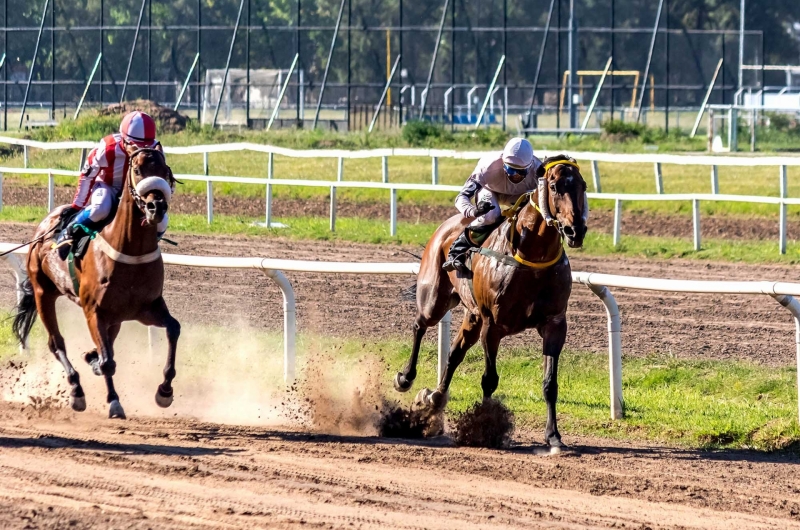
column 554, row 158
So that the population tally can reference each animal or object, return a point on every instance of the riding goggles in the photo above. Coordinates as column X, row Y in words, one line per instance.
column 511, row 171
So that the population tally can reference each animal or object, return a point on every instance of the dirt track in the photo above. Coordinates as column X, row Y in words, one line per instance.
column 91, row 472
column 61, row 469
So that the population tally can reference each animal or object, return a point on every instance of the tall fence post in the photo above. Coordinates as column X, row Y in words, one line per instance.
column 340, row 169
column 393, row 212
column 659, row 178
column 614, row 350
column 714, row 180
column 385, row 169
column 83, row 159
column 271, row 165
column 50, row 192
column 1, row 192
column 434, row 170
column 596, row 176
column 209, row 202
column 333, row 208
column 25, row 156
column 784, row 194
column 205, row 164
column 268, row 208
column 617, row 221
column 696, row 223
column 444, row 344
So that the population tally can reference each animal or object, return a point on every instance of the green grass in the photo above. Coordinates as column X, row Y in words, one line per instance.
column 706, row 404
column 629, row 178
column 373, row 231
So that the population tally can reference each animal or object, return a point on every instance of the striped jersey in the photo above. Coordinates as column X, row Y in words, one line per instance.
column 108, row 163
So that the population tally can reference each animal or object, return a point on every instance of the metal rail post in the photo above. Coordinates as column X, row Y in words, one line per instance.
column 289, row 324
column 782, row 227
column 88, row 84
column 705, row 99
column 714, row 180
column 383, row 95
column 596, row 95
column 696, row 223
column 659, row 178
column 186, row 83
column 333, row 209
column 793, row 306
column 490, row 91
column 393, row 212
column 596, row 176
column 33, row 63
column 646, row 76
column 617, row 221
column 433, row 61
column 283, row 91
column 328, row 65
column 614, row 350
column 228, row 63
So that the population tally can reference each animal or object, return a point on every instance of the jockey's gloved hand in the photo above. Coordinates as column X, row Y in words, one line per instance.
column 483, row 207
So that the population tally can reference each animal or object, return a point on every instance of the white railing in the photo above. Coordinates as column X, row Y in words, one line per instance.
column 782, row 292
column 268, row 183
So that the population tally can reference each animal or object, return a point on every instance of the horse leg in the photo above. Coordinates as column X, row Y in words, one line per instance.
column 425, row 319
column 466, row 338
column 103, row 334
column 46, row 305
column 490, row 340
column 553, row 335
column 158, row 315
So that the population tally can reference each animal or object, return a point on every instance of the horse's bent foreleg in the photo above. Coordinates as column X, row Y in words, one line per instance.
column 433, row 303
column 158, row 315
column 554, row 334
column 46, row 305
column 467, row 337
column 490, row 340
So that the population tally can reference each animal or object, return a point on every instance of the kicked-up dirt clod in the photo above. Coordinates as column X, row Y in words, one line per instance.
column 488, row 423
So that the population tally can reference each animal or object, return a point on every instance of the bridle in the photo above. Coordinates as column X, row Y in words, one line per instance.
column 138, row 199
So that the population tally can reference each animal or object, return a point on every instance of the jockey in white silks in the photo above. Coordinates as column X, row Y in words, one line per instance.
column 103, row 177
column 499, row 178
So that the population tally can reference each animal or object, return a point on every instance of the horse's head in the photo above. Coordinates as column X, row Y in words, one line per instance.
column 562, row 196
column 150, row 182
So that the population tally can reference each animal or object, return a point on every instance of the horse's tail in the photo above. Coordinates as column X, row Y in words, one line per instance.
column 25, row 312
column 409, row 294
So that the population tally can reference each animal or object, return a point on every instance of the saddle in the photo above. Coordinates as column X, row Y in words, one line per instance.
column 82, row 235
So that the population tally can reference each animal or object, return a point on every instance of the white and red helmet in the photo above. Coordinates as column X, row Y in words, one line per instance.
column 139, row 129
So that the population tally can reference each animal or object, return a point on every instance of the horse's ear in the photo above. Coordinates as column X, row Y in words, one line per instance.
column 129, row 147
column 540, row 171
column 158, row 147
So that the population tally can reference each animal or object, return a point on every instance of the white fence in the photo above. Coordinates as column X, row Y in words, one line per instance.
column 782, row 292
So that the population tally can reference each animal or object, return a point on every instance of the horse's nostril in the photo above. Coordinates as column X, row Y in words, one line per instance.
column 568, row 231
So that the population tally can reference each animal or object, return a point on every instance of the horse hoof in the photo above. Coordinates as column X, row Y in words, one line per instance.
column 96, row 370
column 437, row 400
column 78, row 404
column 91, row 357
column 555, row 450
column 163, row 401
column 422, row 397
column 115, row 411
column 401, row 384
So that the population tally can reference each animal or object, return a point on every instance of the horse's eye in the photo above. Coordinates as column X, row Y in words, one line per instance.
column 553, row 186
column 137, row 172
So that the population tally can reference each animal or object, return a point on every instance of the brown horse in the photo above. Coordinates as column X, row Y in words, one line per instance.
column 522, row 280
column 120, row 278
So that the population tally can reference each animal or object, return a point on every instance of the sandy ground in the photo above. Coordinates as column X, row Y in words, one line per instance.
column 194, row 465
column 94, row 473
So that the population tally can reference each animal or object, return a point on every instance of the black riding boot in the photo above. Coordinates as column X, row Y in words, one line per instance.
column 65, row 240
column 457, row 257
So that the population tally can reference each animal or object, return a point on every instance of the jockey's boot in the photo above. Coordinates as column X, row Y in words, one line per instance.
column 457, row 257
column 64, row 241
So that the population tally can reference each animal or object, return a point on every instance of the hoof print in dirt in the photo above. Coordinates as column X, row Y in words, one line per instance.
column 398, row 422
column 485, row 424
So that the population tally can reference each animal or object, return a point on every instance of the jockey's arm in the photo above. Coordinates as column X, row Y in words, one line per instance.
column 465, row 196
column 95, row 163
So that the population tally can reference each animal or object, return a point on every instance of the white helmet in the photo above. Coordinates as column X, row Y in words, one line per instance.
column 518, row 153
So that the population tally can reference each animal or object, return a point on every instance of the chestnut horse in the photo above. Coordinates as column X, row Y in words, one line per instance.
column 522, row 280
column 120, row 278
